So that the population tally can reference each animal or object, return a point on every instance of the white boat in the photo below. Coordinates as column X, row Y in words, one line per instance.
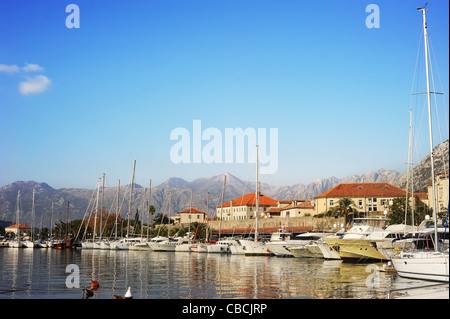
column 219, row 247
column 279, row 243
column 226, row 246
column 425, row 265
column 184, row 243
column 327, row 251
column 120, row 244
column 138, row 243
column 27, row 244
column 200, row 248
column 255, row 247
column 156, row 240
column 15, row 244
column 166, row 245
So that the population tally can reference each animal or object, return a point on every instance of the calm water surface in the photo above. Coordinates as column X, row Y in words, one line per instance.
column 41, row 273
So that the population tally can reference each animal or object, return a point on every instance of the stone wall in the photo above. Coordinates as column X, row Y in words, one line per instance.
column 307, row 223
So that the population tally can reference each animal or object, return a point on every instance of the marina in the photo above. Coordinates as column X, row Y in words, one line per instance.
column 43, row 274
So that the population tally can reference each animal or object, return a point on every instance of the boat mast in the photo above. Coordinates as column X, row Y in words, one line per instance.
column 101, row 206
column 95, row 213
column 256, row 197
column 221, row 207
column 190, row 212
column 17, row 215
column 117, row 210
column 32, row 217
column 430, row 129
column 131, row 199
column 148, row 207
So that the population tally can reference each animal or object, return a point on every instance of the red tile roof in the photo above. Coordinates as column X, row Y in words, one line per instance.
column 364, row 190
column 249, row 200
column 22, row 226
column 192, row 210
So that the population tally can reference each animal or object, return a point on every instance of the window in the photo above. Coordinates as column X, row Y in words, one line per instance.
column 331, row 202
column 360, row 202
column 375, row 208
column 374, row 200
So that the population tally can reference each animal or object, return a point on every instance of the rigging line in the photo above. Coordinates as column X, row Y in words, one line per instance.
column 440, row 82
column 437, row 116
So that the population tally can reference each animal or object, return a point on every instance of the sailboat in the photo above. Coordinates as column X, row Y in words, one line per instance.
column 28, row 243
column 255, row 247
column 427, row 265
column 17, row 243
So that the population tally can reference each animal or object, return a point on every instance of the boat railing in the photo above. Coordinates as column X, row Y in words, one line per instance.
column 392, row 292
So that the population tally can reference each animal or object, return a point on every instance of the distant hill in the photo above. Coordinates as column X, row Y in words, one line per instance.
column 83, row 199
column 422, row 172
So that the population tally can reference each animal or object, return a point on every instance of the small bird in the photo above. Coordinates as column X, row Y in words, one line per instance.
column 128, row 294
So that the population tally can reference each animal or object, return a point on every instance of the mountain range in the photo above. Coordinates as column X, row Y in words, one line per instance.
column 83, row 200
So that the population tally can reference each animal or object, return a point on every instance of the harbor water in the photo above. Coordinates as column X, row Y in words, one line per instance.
column 62, row 274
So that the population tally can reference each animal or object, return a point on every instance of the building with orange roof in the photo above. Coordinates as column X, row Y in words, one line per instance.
column 190, row 215
column 22, row 228
column 368, row 197
column 243, row 207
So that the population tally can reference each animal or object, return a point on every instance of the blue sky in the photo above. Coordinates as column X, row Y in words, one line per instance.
column 78, row 102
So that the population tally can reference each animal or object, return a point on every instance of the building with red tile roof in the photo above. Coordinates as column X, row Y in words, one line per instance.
column 22, row 228
column 243, row 207
column 190, row 215
column 368, row 197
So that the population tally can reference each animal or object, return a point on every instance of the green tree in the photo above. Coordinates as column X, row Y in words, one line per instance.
column 397, row 211
column 346, row 206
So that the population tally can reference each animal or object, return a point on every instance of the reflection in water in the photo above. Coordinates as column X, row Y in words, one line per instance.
column 41, row 273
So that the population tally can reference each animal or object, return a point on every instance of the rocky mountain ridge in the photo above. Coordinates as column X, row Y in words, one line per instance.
column 82, row 200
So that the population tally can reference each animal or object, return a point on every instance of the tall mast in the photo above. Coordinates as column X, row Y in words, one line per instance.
column 95, row 213
column 117, row 210
column 67, row 220
column 256, row 197
column 101, row 206
column 148, row 206
column 131, row 199
column 17, row 216
column 430, row 128
column 32, row 217
column 190, row 212
column 221, row 208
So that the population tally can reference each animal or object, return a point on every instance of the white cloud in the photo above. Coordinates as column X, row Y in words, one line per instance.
column 34, row 85
column 9, row 68
column 29, row 67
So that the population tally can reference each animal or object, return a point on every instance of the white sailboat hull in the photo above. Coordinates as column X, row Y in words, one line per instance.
column 118, row 245
column 254, row 248
column 218, row 249
column 327, row 251
column 201, row 249
column 280, row 249
column 15, row 244
column 422, row 265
